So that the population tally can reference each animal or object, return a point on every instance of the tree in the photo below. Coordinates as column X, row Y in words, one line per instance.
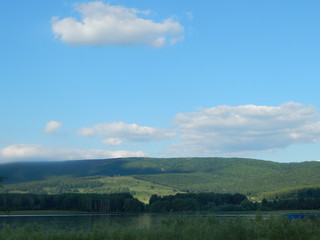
column 1, row 179
column 154, row 198
column 6, row 210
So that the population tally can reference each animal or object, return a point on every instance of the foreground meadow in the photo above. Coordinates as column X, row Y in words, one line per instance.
column 175, row 228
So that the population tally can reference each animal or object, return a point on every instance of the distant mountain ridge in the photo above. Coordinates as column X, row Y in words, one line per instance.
column 146, row 176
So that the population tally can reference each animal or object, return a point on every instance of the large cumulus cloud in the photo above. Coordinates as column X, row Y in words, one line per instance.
column 102, row 24
column 234, row 130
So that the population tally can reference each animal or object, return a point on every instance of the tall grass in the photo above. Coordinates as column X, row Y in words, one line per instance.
column 178, row 228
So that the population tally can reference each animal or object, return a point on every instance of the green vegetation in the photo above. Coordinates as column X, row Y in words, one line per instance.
column 298, row 198
column 143, row 177
column 201, row 202
column 1, row 179
column 294, row 193
column 176, row 228
column 172, row 185
column 140, row 189
column 103, row 203
column 125, row 202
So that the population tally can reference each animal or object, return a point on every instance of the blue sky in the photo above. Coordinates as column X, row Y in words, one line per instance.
column 82, row 80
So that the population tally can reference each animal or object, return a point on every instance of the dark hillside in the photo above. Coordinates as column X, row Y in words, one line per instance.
column 34, row 171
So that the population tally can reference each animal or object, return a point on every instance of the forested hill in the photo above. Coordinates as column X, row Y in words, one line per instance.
column 147, row 176
column 34, row 171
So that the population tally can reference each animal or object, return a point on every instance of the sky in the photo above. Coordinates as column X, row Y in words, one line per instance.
column 123, row 78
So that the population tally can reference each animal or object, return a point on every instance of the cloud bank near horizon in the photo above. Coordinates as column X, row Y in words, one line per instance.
column 218, row 131
column 35, row 152
column 102, row 25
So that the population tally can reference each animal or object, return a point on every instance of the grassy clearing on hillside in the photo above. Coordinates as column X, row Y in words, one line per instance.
column 139, row 188
column 177, row 228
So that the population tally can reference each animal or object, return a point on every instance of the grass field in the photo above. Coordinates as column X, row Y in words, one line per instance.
column 177, row 228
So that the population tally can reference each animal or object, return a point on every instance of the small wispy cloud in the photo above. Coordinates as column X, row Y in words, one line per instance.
column 102, row 24
column 112, row 141
column 119, row 132
column 52, row 126
column 189, row 15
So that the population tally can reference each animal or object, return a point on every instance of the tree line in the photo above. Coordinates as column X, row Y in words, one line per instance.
column 106, row 203
column 307, row 198
column 125, row 202
column 200, row 202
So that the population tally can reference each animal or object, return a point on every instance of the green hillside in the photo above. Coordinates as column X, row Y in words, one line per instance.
column 163, row 176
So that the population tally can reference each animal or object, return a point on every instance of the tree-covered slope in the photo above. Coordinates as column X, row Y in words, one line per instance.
column 34, row 171
column 146, row 176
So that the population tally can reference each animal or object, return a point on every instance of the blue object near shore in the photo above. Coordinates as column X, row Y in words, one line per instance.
column 295, row 216
column 302, row 216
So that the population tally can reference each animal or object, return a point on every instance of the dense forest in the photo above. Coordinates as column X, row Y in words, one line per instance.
column 125, row 202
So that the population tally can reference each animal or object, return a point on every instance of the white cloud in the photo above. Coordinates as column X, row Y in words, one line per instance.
column 33, row 152
column 118, row 132
column 52, row 126
column 102, row 24
column 112, row 141
column 217, row 131
column 235, row 130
